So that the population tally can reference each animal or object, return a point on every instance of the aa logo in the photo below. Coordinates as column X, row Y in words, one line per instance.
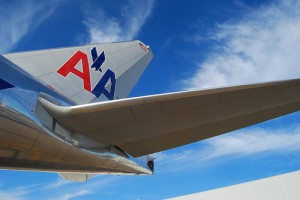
column 69, row 67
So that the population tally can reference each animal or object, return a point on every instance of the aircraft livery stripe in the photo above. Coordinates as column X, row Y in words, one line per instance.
column 5, row 85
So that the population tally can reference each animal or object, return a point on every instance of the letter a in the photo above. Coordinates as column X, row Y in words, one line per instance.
column 69, row 66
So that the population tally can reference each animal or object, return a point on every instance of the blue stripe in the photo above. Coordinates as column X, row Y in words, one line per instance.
column 5, row 85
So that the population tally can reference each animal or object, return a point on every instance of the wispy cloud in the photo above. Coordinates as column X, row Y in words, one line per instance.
column 74, row 194
column 21, row 17
column 234, row 145
column 59, row 183
column 18, row 192
column 261, row 46
column 105, row 28
column 65, row 189
column 59, row 189
column 11, row 195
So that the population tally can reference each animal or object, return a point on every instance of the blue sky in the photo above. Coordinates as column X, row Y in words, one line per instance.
column 197, row 44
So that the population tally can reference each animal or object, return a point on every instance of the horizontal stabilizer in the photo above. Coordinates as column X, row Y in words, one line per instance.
column 149, row 124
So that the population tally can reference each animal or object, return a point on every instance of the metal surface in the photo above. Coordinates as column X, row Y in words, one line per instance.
column 28, row 142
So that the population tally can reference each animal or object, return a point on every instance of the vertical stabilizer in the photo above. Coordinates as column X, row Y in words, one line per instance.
column 88, row 73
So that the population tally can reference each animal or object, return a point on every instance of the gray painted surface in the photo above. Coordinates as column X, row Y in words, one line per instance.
column 126, row 59
column 149, row 124
column 281, row 187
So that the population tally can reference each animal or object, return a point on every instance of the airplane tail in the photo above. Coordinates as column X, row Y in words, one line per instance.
column 88, row 73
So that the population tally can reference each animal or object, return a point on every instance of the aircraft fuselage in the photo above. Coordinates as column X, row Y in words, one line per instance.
column 27, row 144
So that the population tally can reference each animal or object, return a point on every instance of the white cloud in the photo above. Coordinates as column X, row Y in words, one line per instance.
column 238, row 144
column 74, row 194
column 18, row 192
column 104, row 28
column 10, row 195
column 59, row 189
column 21, row 18
column 65, row 189
column 58, row 183
column 254, row 141
column 262, row 46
